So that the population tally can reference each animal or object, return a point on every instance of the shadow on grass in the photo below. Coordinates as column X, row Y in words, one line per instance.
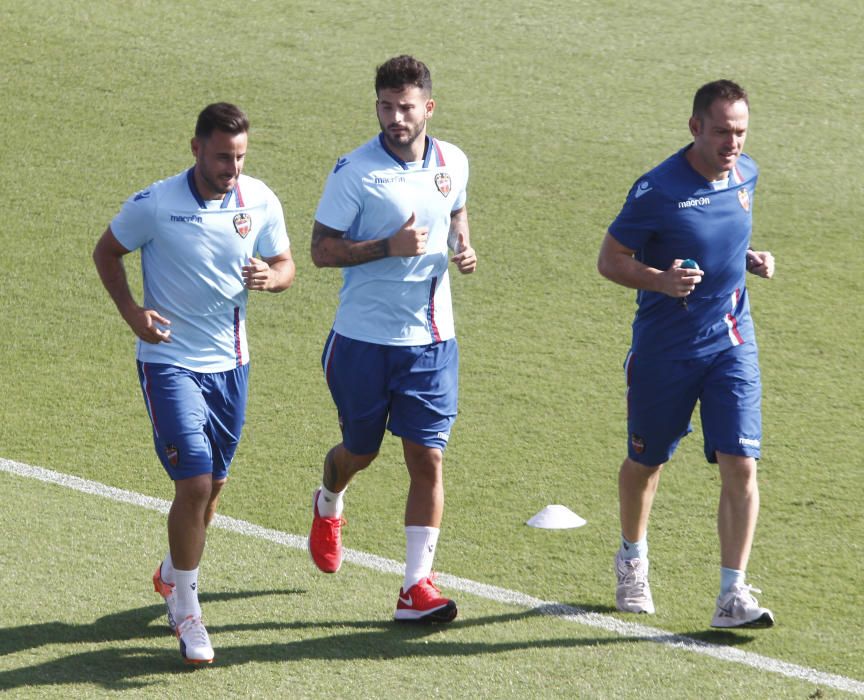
column 133, row 667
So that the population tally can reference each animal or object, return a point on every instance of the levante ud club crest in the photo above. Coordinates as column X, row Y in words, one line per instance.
column 243, row 224
column 744, row 198
column 442, row 182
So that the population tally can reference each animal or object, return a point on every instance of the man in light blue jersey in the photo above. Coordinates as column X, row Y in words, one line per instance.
column 682, row 239
column 389, row 212
column 207, row 236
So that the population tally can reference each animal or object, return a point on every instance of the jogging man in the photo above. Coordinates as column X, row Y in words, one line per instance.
column 207, row 236
column 682, row 239
column 389, row 211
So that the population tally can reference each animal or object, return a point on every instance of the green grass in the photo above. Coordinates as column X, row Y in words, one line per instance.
column 559, row 106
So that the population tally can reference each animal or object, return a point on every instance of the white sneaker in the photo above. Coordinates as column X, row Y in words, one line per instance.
column 738, row 608
column 194, row 641
column 633, row 593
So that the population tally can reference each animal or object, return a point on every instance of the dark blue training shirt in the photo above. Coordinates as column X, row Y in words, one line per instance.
column 674, row 212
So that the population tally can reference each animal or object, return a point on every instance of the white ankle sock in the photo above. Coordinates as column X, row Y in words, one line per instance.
column 420, row 543
column 729, row 577
column 186, row 589
column 634, row 550
column 330, row 504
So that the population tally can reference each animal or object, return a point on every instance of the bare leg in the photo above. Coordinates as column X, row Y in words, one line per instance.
column 637, row 486
column 213, row 502
column 187, row 520
column 738, row 509
column 340, row 466
column 425, row 502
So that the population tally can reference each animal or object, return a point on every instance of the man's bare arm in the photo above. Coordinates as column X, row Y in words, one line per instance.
column 330, row 249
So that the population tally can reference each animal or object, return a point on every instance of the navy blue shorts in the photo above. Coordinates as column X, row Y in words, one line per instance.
column 412, row 391
column 197, row 417
column 661, row 396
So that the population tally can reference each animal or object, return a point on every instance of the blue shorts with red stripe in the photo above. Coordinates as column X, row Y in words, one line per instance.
column 197, row 417
column 662, row 394
column 412, row 391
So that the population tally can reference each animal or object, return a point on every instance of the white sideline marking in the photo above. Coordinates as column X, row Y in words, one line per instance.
column 500, row 595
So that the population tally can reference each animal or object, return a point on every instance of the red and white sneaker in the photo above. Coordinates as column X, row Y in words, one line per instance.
column 195, row 644
column 325, row 540
column 166, row 590
column 423, row 602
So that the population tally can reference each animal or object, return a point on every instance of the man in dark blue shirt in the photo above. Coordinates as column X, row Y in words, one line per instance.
column 682, row 239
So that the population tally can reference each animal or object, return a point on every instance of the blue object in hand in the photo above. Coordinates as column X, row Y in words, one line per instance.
column 688, row 264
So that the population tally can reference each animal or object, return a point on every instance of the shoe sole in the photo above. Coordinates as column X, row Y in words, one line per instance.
column 444, row 614
column 764, row 621
column 641, row 611
column 193, row 662
column 309, row 540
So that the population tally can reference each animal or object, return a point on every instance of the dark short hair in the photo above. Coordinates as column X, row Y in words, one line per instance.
column 221, row 116
column 724, row 90
column 402, row 71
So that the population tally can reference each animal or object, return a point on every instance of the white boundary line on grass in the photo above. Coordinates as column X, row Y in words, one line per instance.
column 500, row 595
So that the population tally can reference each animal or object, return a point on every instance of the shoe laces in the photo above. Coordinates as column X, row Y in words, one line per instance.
column 193, row 632
column 635, row 575
column 429, row 583
column 743, row 593
column 331, row 527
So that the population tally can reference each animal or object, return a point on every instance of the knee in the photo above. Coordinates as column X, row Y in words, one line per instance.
column 197, row 491
column 738, row 472
column 635, row 472
column 424, row 463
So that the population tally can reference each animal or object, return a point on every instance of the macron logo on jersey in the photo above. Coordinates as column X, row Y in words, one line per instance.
column 141, row 195
column 388, row 180
column 698, row 202
column 643, row 188
column 192, row 219
column 340, row 163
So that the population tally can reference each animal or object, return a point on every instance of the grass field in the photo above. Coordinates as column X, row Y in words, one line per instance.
column 559, row 106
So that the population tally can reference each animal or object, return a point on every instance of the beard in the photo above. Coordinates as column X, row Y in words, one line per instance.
column 403, row 138
column 217, row 184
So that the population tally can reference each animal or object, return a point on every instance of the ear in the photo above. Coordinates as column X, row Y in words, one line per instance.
column 195, row 145
column 430, row 107
column 695, row 124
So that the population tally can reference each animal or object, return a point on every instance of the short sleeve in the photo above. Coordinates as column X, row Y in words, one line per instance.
column 340, row 201
column 639, row 218
column 274, row 237
column 134, row 224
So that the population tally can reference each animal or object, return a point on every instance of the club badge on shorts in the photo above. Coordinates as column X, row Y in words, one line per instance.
column 442, row 182
column 637, row 443
column 172, row 454
column 744, row 198
column 243, row 224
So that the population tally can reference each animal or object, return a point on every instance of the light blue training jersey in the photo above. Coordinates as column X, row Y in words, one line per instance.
column 191, row 254
column 369, row 195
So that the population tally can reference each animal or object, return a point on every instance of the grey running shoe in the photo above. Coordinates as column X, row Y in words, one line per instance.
column 738, row 608
column 633, row 593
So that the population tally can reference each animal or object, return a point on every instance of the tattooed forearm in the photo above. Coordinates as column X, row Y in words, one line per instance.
column 330, row 249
